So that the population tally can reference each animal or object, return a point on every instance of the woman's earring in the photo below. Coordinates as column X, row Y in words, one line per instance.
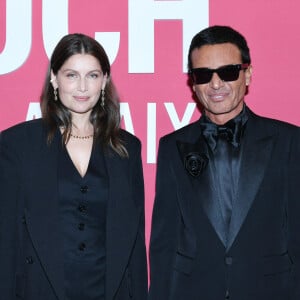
column 55, row 95
column 102, row 98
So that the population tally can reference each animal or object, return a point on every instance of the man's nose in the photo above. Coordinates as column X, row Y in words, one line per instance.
column 216, row 82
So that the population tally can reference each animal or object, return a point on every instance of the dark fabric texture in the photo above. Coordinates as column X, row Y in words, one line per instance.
column 31, row 234
column 193, row 255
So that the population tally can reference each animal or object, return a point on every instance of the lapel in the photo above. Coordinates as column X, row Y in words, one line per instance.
column 202, row 186
column 256, row 152
column 122, row 221
column 196, row 192
column 42, row 211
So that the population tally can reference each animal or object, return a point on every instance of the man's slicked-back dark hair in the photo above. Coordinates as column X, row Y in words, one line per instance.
column 219, row 35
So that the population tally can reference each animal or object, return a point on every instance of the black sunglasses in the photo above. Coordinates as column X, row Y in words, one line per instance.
column 226, row 73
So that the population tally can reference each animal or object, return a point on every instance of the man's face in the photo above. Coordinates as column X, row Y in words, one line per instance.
column 222, row 100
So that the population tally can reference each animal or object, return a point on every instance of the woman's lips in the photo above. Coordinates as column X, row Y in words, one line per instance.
column 81, row 98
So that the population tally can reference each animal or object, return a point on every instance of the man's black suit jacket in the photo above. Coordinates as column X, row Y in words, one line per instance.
column 189, row 258
column 31, row 245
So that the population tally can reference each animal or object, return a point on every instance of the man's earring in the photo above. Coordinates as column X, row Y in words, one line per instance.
column 55, row 95
column 102, row 98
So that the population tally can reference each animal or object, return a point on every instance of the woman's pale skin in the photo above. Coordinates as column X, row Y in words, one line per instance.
column 79, row 82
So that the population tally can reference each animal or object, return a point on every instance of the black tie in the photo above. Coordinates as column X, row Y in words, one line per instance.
column 231, row 131
column 223, row 159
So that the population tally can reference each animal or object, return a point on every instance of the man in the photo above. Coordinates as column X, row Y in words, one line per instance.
column 226, row 218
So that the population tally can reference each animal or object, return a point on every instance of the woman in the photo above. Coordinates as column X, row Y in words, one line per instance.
column 72, row 195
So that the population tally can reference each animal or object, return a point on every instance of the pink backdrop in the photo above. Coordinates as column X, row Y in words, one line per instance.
column 147, row 42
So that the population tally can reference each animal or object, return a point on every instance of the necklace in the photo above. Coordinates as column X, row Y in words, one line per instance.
column 82, row 137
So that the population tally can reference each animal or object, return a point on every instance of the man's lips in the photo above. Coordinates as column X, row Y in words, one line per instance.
column 218, row 97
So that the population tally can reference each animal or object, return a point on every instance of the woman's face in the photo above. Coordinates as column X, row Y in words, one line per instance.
column 79, row 82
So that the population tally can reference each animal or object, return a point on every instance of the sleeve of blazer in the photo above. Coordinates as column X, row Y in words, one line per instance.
column 165, row 224
column 10, row 189
column 294, row 213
